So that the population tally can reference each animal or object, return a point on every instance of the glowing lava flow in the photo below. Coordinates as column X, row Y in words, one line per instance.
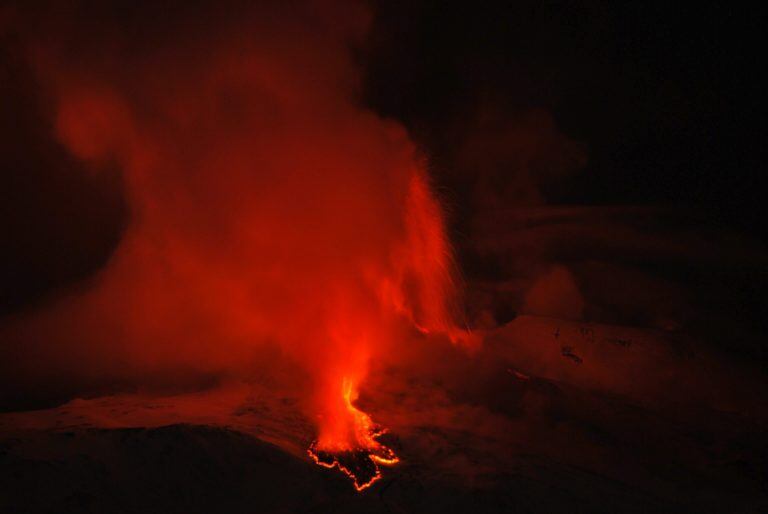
column 361, row 462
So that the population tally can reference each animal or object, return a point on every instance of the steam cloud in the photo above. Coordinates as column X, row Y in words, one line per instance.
column 267, row 207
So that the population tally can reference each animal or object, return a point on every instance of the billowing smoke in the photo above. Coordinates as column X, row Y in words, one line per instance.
column 266, row 206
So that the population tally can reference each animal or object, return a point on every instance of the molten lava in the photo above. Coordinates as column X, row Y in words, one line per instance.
column 357, row 453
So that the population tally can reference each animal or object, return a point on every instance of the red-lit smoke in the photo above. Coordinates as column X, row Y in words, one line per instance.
column 266, row 207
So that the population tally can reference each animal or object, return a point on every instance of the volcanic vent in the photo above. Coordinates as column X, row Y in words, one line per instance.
column 358, row 453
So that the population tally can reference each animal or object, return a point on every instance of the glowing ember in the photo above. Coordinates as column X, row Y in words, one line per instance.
column 359, row 460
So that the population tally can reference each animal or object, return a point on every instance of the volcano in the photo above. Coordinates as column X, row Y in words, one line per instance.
column 345, row 256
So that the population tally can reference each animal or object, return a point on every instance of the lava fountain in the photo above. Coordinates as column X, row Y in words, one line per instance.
column 355, row 449
column 267, row 207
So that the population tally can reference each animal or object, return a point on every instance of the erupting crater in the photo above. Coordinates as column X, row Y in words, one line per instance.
column 353, row 447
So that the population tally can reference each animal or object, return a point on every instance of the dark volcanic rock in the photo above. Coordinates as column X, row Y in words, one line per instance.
column 177, row 468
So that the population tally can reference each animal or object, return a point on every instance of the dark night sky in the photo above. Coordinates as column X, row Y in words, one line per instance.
column 665, row 100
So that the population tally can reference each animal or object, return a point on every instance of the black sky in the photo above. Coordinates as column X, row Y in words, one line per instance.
column 667, row 98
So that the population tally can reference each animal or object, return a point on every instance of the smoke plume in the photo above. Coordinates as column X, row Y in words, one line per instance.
column 267, row 207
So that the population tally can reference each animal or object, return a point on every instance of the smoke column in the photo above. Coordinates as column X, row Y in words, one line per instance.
column 267, row 206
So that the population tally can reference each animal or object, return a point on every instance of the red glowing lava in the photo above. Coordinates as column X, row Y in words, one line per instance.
column 359, row 455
